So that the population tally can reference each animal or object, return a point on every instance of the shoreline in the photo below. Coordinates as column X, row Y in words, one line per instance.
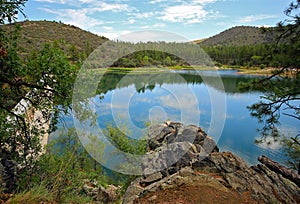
column 253, row 71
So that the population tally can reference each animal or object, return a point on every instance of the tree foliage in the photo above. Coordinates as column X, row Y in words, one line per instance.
column 9, row 9
column 63, row 170
column 33, row 90
column 283, row 95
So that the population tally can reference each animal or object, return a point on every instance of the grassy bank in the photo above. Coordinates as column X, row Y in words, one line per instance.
column 136, row 70
column 241, row 70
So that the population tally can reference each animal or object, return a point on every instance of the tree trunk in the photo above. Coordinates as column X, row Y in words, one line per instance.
column 285, row 172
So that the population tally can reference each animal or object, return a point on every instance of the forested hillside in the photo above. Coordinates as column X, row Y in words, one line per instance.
column 34, row 34
column 251, row 46
column 240, row 46
column 241, row 35
column 254, row 55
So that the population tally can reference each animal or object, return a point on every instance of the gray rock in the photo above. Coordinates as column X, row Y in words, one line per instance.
column 102, row 196
column 209, row 145
column 227, row 171
column 151, row 179
column 157, row 135
column 99, row 193
column 189, row 134
column 185, row 155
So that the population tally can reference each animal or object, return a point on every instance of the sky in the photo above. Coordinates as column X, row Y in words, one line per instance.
column 189, row 19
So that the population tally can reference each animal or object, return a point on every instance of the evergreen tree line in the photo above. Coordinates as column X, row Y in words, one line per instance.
column 263, row 55
column 148, row 58
column 125, row 54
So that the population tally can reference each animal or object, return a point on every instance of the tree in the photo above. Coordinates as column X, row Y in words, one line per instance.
column 9, row 9
column 283, row 92
column 145, row 60
column 41, row 84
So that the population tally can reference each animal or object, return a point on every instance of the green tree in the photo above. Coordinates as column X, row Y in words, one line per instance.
column 168, row 61
column 145, row 60
column 62, row 171
column 41, row 84
column 256, row 59
column 283, row 92
column 9, row 9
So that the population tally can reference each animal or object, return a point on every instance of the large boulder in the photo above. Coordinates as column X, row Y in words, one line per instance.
column 172, row 146
column 184, row 165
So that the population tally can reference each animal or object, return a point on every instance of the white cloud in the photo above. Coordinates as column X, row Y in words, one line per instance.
column 70, row 2
column 131, row 21
column 253, row 18
column 166, row 1
column 112, row 34
column 144, row 15
column 265, row 26
column 157, row 25
column 269, row 143
column 76, row 17
column 203, row 1
column 51, row 1
column 184, row 13
column 81, row 17
column 92, row 5
column 156, row 1
column 107, row 28
column 184, row 1
column 113, row 7
column 151, row 35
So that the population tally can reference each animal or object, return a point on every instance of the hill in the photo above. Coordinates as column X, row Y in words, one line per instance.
column 241, row 35
column 34, row 34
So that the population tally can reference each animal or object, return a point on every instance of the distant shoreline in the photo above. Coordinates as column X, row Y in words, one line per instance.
column 255, row 71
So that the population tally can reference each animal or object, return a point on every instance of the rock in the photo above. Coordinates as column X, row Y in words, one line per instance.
column 172, row 146
column 99, row 193
column 90, row 189
column 157, row 134
column 151, row 179
column 217, row 163
column 133, row 192
column 209, row 145
column 113, row 192
column 189, row 134
column 102, row 196
column 187, row 161
column 228, row 172
column 276, row 167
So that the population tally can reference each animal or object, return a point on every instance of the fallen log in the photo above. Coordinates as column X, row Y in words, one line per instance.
column 276, row 167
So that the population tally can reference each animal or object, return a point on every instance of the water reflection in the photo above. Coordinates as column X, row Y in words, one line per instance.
column 187, row 97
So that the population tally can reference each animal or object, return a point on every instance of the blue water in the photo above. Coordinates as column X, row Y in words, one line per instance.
column 190, row 97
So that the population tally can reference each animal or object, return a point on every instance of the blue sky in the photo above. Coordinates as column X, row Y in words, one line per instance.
column 192, row 19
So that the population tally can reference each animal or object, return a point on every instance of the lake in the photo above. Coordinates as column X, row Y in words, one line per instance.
column 209, row 99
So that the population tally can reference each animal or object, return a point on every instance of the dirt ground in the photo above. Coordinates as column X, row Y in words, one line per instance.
column 195, row 195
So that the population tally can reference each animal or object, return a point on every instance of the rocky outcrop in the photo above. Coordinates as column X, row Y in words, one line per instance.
column 183, row 165
column 110, row 194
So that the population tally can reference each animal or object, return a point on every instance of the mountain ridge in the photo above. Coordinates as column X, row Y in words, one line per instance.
column 241, row 35
column 34, row 34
